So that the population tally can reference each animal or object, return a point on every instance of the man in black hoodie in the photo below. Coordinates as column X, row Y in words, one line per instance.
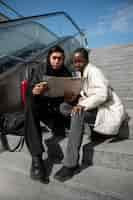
column 39, row 108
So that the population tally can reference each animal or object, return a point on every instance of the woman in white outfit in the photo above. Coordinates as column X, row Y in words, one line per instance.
column 97, row 104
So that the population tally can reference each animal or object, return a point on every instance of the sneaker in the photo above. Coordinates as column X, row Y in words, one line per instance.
column 66, row 173
column 38, row 171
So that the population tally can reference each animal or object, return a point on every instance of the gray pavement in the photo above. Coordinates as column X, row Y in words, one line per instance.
column 93, row 182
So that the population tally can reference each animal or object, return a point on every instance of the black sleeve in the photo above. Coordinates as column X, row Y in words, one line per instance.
column 35, row 75
column 38, row 73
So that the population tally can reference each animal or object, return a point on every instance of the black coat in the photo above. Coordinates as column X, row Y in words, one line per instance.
column 36, row 76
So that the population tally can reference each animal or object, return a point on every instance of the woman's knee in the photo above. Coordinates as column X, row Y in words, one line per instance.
column 65, row 109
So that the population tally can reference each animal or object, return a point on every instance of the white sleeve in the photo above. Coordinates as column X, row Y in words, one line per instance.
column 97, row 93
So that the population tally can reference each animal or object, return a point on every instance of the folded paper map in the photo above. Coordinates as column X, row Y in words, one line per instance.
column 59, row 85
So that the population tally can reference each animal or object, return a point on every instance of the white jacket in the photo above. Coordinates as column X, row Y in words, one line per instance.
column 97, row 93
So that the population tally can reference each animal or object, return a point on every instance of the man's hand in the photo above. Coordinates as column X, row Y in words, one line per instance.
column 77, row 109
column 40, row 88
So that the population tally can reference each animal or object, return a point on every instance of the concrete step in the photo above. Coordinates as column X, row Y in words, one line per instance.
column 114, row 152
column 116, row 73
column 125, row 95
column 112, row 64
column 110, row 55
column 117, row 48
column 16, row 185
column 95, row 183
column 128, row 102
column 130, row 122
column 119, row 58
column 120, row 72
column 123, row 92
column 115, row 55
column 127, row 61
column 117, row 154
column 123, row 88
column 109, row 51
column 117, row 64
column 114, row 182
column 121, row 80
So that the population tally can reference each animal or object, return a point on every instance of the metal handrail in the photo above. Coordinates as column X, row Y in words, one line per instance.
column 52, row 14
column 42, row 16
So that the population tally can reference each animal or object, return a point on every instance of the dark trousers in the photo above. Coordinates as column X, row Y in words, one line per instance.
column 40, row 109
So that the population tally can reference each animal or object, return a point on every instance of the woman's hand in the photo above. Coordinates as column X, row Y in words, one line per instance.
column 77, row 109
column 40, row 88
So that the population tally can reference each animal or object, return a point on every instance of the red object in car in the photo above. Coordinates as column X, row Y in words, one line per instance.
column 24, row 86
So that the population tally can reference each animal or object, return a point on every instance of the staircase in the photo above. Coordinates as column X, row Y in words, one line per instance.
column 107, row 166
column 117, row 64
